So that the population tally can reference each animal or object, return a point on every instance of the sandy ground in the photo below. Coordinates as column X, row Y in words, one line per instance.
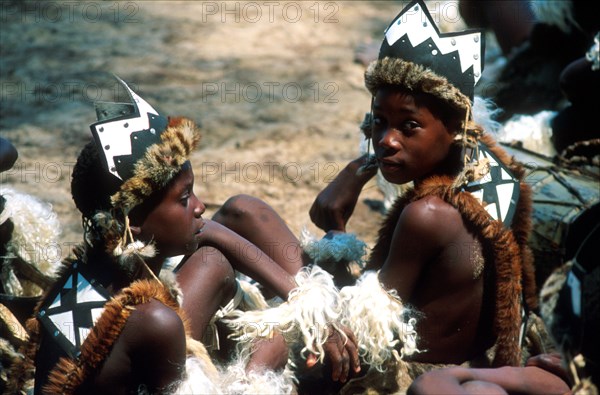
column 273, row 85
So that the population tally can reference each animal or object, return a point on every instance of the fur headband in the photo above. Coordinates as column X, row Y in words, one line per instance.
column 414, row 77
column 159, row 165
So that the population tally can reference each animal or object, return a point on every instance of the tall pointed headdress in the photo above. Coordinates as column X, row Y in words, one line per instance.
column 124, row 131
column 141, row 147
column 414, row 54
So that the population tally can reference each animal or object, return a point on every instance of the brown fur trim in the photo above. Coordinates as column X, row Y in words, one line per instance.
column 68, row 374
column 505, row 249
column 414, row 77
column 160, row 164
column 522, row 222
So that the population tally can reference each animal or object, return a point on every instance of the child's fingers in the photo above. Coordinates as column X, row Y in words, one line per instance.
column 311, row 360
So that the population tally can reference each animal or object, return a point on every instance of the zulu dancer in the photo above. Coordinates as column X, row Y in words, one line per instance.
column 453, row 247
column 108, row 325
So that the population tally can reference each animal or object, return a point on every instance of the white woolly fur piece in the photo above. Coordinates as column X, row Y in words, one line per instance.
column 305, row 317
column 379, row 321
column 202, row 378
column 253, row 299
column 34, row 237
column 534, row 132
column 198, row 379
column 236, row 380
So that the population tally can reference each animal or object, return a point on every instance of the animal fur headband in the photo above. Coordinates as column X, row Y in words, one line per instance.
column 415, row 55
column 140, row 147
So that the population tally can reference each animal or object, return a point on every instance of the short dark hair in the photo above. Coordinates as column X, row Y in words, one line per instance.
column 91, row 185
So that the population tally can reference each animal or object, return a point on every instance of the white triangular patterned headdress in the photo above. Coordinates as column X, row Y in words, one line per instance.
column 124, row 131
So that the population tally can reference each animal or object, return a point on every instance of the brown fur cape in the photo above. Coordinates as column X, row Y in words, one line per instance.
column 505, row 251
column 69, row 374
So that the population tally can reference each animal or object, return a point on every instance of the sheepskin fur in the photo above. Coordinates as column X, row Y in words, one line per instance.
column 304, row 318
column 36, row 231
column 236, row 380
column 379, row 320
column 160, row 164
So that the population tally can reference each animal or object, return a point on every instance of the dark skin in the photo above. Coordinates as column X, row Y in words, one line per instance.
column 8, row 154
column 432, row 260
column 274, row 247
column 530, row 380
column 151, row 349
column 207, row 278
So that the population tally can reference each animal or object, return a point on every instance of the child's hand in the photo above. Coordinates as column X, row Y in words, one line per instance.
column 552, row 363
column 335, row 204
column 343, row 355
column 333, row 207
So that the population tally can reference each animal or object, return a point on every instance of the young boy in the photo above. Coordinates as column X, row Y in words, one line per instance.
column 570, row 309
column 121, row 329
column 108, row 325
column 454, row 247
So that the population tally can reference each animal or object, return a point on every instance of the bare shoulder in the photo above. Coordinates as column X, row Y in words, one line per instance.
column 154, row 323
column 430, row 215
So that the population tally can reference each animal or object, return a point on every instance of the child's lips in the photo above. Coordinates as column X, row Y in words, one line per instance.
column 390, row 165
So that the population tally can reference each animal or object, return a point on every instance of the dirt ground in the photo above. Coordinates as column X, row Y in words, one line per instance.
column 273, row 84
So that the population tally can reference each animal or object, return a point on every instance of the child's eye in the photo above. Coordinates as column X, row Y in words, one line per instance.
column 184, row 199
column 409, row 127
column 377, row 121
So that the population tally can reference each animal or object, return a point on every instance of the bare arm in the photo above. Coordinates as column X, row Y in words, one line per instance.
column 335, row 204
column 513, row 380
column 247, row 258
column 421, row 231
column 158, row 345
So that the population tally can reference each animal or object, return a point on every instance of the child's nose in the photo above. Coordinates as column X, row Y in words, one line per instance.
column 199, row 209
column 390, row 139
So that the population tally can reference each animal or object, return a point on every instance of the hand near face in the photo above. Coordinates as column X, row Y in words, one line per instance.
column 335, row 204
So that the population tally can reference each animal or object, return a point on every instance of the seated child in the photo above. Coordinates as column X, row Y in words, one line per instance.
column 570, row 309
column 108, row 324
column 455, row 246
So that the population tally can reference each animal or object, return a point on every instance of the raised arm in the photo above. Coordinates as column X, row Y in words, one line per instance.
column 335, row 204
